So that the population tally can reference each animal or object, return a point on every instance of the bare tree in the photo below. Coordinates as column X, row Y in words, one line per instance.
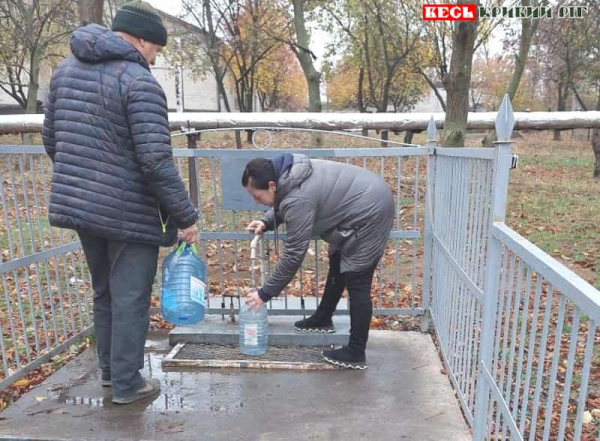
column 561, row 48
column 29, row 31
column 384, row 37
column 206, row 44
column 236, row 40
column 440, row 34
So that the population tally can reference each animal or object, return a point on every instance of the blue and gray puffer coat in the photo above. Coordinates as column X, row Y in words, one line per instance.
column 106, row 130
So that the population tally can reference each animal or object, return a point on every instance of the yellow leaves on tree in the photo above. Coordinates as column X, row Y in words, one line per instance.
column 280, row 81
column 342, row 86
column 490, row 79
column 407, row 87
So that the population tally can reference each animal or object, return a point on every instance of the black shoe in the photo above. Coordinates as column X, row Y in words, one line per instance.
column 106, row 382
column 315, row 323
column 346, row 357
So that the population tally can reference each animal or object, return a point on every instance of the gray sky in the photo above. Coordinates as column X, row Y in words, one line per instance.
column 172, row 7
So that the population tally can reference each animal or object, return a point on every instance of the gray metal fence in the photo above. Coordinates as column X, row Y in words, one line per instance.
column 225, row 210
column 518, row 332
column 45, row 300
column 459, row 207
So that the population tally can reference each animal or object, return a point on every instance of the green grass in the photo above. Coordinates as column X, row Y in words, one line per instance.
column 554, row 202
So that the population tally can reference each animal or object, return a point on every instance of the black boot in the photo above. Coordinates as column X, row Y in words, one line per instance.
column 320, row 321
column 315, row 323
column 346, row 357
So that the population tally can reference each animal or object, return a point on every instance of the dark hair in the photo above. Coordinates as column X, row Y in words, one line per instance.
column 261, row 171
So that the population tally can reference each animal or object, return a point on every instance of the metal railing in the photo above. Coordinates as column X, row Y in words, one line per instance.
column 540, row 331
column 225, row 209
column 517, row 330
column 45, row 300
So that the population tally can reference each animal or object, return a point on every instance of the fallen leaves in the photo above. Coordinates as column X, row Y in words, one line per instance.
column 39, row 375
column 22, row 383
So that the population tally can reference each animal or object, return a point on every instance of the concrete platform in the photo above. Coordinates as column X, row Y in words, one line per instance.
column 218, row 329
column 213, row 329
column 404, row 395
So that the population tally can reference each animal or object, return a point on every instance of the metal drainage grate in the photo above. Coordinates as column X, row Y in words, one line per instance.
column 205, row 355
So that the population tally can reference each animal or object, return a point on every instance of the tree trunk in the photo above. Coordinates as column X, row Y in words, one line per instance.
column 90, row 11
column 313, row 77
column 385, row 136
column 218, row 71
column 578, row 96
column 527, row 31
column 561, row 107
column 359, row 92
column 457, row 112
column 32, row 91
column 360, row 97
column 596, row 145
column 408, row 137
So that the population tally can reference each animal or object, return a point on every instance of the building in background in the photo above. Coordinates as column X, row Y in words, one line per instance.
column 185, row 91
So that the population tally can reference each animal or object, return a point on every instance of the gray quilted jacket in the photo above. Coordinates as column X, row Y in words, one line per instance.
column 349, row 207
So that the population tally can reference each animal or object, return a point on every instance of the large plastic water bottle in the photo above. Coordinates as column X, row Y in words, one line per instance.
column 183, row 286
column 254, row 330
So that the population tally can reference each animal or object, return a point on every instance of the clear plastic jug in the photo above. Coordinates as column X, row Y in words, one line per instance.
column 183, row 286
column 254, row 325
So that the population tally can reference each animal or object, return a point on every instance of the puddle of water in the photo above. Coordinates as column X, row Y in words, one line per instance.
column 180, row 391
column 87, row 401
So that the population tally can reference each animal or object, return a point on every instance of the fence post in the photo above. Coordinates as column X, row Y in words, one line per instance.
column 427, row 270
column 192, row 139
column 502, row 166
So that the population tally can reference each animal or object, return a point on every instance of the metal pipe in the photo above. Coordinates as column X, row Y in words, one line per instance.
column 340, row 121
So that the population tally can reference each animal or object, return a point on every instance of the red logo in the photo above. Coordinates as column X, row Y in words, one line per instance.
column 450, row 12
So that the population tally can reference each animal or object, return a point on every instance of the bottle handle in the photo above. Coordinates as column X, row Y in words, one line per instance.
column 182, row 245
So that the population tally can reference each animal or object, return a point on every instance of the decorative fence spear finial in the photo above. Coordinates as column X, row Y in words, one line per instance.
column 505, row 121
column 431, row 130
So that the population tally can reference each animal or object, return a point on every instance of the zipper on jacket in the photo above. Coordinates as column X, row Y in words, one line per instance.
column 163, row 224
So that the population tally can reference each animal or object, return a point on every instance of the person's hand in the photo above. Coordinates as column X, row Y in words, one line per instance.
column 253, row 301
column 189, row 234
column 256, row 227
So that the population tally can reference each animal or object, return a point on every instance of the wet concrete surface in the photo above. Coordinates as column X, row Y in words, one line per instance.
column 402, row 396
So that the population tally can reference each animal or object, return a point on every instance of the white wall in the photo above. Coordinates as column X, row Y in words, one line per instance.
column 199, row 92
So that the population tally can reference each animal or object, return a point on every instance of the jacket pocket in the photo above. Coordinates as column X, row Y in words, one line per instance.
column 340, row 237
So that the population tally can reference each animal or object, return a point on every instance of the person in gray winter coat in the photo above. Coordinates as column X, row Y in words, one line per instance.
column 347, row 206
column 115, row 183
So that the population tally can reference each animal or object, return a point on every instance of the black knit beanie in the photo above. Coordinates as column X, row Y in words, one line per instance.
column 140, row 19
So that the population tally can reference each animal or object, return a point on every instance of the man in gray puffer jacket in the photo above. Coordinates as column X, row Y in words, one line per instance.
column 347, row 206
column 115, row 183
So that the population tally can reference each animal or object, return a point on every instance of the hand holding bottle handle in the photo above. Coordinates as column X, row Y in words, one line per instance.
column 189, row 234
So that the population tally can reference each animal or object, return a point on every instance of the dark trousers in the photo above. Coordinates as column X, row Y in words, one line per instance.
column 122, row 278
column 359, row 291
